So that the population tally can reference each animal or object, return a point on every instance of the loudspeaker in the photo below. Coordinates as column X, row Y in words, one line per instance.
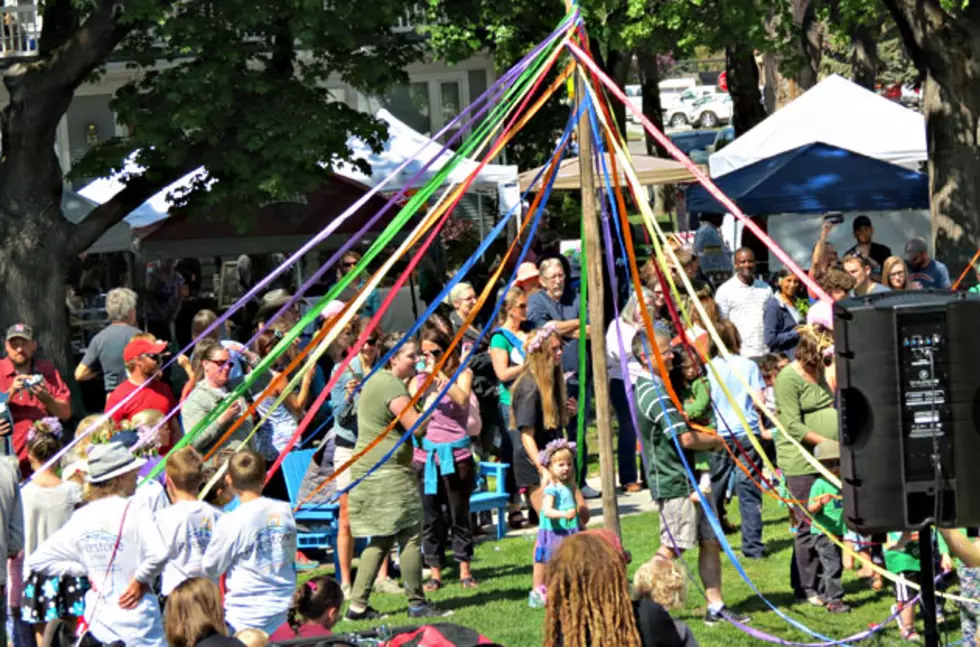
column 908, row 371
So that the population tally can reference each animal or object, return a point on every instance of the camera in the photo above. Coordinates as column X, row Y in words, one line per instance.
column 33, row 380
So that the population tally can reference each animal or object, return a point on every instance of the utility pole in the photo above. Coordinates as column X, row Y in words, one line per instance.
column 593, row 252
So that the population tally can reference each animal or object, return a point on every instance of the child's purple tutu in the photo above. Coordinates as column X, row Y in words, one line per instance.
column 548, row 542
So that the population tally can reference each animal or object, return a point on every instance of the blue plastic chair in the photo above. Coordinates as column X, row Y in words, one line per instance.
column 318, row 520
column 496, row 499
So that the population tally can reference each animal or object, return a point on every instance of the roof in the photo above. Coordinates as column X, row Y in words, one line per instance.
column 649, row 170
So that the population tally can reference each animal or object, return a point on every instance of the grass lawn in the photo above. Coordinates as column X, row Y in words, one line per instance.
column 498, row 608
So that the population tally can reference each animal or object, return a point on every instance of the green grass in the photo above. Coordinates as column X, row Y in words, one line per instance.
column 498, row 608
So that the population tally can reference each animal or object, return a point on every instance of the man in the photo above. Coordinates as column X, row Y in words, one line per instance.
column 875, row 253
column 710, row 246
column 928, row 273
column 683, row 525
column 553, row 303
column 143, row 356
column 105, row 351
column 12, row 533
column 742, row 300
column 28, row 402
column 165, row 293
column 731, row 373
column 860, row 269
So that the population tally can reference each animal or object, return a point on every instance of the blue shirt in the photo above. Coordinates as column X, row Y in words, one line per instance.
column 541, row 309
column 728, row 370
column 934, row 275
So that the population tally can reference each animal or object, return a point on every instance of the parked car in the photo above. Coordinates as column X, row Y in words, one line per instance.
column 678, row 113
column 722, row 137
column 634, row 93
column 711, row 111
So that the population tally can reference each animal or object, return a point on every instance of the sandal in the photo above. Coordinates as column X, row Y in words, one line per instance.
column 515, row 520
column 432, row 585
column 909, row 633
column 469, row 583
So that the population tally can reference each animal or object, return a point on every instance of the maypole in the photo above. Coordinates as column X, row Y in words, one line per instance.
column 595, row 291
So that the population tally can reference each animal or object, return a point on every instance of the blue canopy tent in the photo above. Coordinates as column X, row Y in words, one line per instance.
column 816, row 178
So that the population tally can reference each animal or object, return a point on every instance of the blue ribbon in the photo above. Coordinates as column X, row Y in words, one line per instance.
column 447, row 461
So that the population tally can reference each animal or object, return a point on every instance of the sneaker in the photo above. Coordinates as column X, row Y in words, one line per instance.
column 723, row 614
column 369, row 613
column 427, row 610
column 536, row 599
column 590, row 493
column 346, row 590
column 387, row 585
column 837, row 606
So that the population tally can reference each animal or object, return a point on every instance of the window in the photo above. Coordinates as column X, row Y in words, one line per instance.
column 410, row 104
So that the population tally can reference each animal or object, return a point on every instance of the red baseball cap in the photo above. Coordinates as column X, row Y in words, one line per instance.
column 137, row 347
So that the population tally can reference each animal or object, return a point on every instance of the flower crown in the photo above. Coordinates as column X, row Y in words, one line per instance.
column 545, row 455
column 50, row 426
column 540, row 335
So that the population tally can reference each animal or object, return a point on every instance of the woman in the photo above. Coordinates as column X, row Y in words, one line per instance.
column 110, row 542
column 212, row 374
column 239, row 354
column 194, row 618
column 445, row 463
column 895, row 275
column 373, row 301
column 386, row 506
column 344, row 404
column 781, row 316
column 620, row 337
column 507, row 355
column 281, row 421
column 806, row 409
column 539, row 411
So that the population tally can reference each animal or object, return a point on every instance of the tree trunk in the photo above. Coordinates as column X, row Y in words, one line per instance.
column 771, row 92
column 864, row 56
column 810, row 42
column 743, row 86
column 650, row 89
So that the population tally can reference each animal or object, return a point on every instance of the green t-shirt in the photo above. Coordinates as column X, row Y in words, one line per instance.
column 659, row 423
column 802, row 406
column 906, row 558
column 500, row 340
column 831, row 516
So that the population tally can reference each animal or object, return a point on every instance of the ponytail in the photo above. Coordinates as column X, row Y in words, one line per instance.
column 313, row 599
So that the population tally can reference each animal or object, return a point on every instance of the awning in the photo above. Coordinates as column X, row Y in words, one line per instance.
column 649, row 170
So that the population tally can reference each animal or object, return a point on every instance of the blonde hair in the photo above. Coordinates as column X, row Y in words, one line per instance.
column 661, row 580
column 886, row 269
column 193, row 612
column 253, row 637
column 540, row 366
column 511, row 297
column 146, row 418
column 185, row 469
column 814, row 340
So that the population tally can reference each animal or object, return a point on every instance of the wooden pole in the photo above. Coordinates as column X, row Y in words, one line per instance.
column 600, row 371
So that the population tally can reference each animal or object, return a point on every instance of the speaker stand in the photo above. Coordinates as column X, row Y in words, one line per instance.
column 927, row 579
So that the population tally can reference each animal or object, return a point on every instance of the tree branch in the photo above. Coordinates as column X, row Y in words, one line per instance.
column 923, row 25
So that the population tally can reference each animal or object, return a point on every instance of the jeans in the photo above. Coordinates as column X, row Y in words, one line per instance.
column 749, row 495
column 446, row 515
column 804, row 544
column 830, row 561
column 410, row 545
column 626, row 444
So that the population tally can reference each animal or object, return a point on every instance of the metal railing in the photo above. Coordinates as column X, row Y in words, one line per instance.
column 413, row 17
column 21, row 31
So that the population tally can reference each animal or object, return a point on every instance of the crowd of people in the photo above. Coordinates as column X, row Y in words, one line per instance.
column 204, row 551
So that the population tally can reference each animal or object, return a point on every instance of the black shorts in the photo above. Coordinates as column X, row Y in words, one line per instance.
column 905, row 594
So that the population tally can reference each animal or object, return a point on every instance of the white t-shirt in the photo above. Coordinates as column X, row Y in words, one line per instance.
column 46, row 509
column 745, row 306
column 613, row 360
column 186, row 528
column 84, row 547
column 255, row 545
column 152, row 495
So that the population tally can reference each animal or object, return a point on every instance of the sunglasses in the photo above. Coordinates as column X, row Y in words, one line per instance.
column 156, row 357
column 348, row 266
column 370, row 342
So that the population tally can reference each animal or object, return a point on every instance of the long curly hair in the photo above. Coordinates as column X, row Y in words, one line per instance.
column 588, row 596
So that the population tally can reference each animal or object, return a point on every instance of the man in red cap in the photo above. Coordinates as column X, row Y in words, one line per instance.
column 27, row 398
column 143, row 356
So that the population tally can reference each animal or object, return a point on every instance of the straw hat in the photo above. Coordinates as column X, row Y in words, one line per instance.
column 106, row 462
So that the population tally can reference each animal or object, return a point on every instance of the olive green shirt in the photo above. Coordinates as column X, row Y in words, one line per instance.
column 802, row 406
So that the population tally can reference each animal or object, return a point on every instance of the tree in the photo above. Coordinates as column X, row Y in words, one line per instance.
column 234, row 85
column 943, row 40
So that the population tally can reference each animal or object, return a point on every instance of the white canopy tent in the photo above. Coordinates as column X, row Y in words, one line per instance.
column 836, row 112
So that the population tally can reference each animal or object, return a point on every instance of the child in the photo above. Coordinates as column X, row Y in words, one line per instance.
column 318, row 601
column 193, row 616
column 902, row 558
column 695, row 392
column 186, row 526
column 661, row 580
column 95, row 428
column 254, row 546
column 828, row 512
column 559, row 512
column 48, row 505
column 253, row 637
column 969, row 611
column 144, row 443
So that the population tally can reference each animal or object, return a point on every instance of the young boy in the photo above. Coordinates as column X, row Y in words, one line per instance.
column 254, row 546
column 902, row 558
column 187, row 524
column 828, row 511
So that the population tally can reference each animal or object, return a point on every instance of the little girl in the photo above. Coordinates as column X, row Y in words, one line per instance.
column 48, row 504
column 695, row 393
column 559, row 512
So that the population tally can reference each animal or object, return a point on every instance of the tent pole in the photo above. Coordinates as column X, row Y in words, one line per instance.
column 600, row 371
column 479, row 211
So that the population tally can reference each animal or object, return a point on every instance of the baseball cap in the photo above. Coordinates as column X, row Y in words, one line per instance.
column 21, row 330
column 861, row 221
column 137, row 347
column 915, row 247
column 827, row 451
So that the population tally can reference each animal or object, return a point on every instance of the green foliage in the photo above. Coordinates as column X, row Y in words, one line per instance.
column 240, row 86
column 894, row 64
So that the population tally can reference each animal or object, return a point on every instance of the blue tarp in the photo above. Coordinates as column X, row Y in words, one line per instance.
column 816, row 178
